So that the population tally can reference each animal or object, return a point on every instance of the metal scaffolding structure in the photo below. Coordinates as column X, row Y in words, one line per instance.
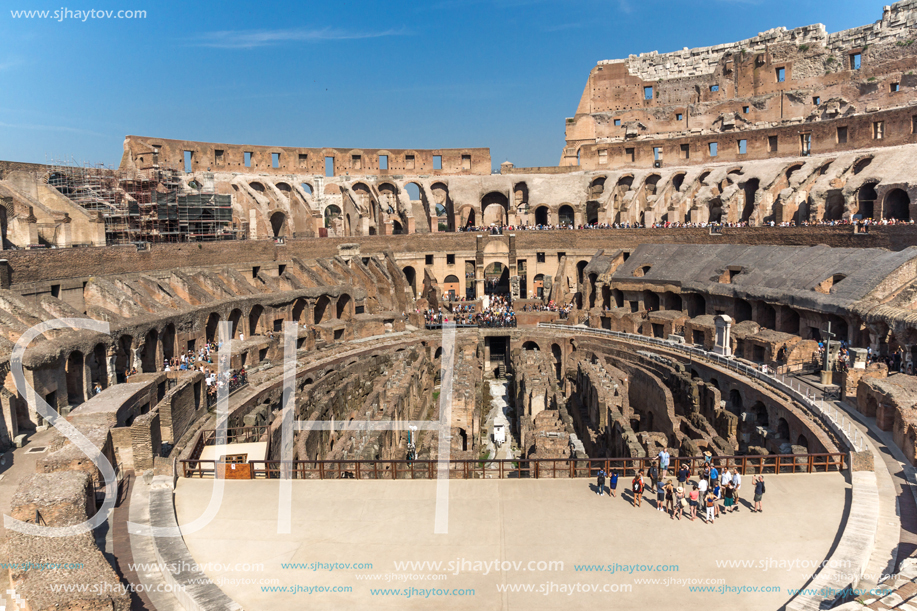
column 153, row 207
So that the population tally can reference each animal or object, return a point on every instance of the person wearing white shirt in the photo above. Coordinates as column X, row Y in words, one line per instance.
column 725, row 478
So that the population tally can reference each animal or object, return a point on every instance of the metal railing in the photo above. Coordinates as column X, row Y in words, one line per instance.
column 833, row 418
column 536, row 468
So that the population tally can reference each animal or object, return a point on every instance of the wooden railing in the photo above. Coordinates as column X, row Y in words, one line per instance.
column 542, row 468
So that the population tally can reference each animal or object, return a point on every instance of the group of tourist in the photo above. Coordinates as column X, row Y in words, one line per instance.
column 233, row 379
column 499, row 229
column 712, row 494
column 562, row 309
column 498, row 313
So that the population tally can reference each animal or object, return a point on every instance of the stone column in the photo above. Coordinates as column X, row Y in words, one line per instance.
column 136, row 361
column 110, row 360
column 723, row 325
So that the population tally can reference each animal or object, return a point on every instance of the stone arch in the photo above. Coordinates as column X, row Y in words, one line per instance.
column 213, row 322
column 715, row 208
column 735, row 399
column 299, row 310
column 397, row 228
column 750, row 189
column 802, row 441
column 861, row 164
column 618, row 298
column 74, row 371
column 98, row 365
column 410, row 274
column 649, row 185
column 834, row 207
column 565, row 215
column 767, row 315
column 321, row 306
column 866, row 200
column 783, row 429
column 592, row 212
column 761, row 415
column 651, row 301
column 343, row 307
column 678, row 180
column 148, row 356
column 123, row 356
column 234, row 317
column 530, row 345
column 896, row 205
column 168, row 340
column 255, row 326
column 331, row 213
column 541, row 215
column 257, row 186
column 742, row 310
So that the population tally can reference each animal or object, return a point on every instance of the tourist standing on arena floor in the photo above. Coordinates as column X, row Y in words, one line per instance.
column 654, row 475
column 759, row 492
column 728, row 497
column 693, row 501
column 613, row 483
column 600, row 482
column 683, row 474
column 710, row 504
column 736, row 485
column 661, row 490
column 637, row 487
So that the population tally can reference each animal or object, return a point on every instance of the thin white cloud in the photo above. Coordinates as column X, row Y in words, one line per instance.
column 10, row 63
column 53, row 128
column 250, row 39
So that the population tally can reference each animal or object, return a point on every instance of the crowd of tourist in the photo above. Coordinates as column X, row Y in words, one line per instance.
column 707, row 494
column 499, row 229
column 233, row 379
column 498, row 313
column 899, row 361
column 562, row 309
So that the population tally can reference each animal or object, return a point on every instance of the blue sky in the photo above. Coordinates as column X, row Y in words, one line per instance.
column 430, row 74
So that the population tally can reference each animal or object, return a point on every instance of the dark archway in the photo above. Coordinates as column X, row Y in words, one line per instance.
column 98, row 367
column 834, row 207
column 343, row 309
column 530, row 346
column 866, row 200
column 742, row 310
column 565, row 215
column 299, row 311
column 74, row 373
column 411, row 276
column 541, row 215
column 277, row 221
column 168, row 342
column 234, row 317
column 496, row 279
column 802, row 441
column 213, row 322
column 148, row 358
column 783, row 429
column 254, row 320
column 735, row 399
column 321, row 306
column 760, row 412
column 897, row 205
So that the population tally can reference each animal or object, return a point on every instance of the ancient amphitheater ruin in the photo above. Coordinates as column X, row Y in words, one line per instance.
column 368, row 356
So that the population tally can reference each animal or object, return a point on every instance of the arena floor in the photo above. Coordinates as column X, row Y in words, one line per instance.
column 379, row 523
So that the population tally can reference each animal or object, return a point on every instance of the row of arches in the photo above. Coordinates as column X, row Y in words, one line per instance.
column 107, row 363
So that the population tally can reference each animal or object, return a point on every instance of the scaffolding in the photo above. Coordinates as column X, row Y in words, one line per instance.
column 158, row 207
